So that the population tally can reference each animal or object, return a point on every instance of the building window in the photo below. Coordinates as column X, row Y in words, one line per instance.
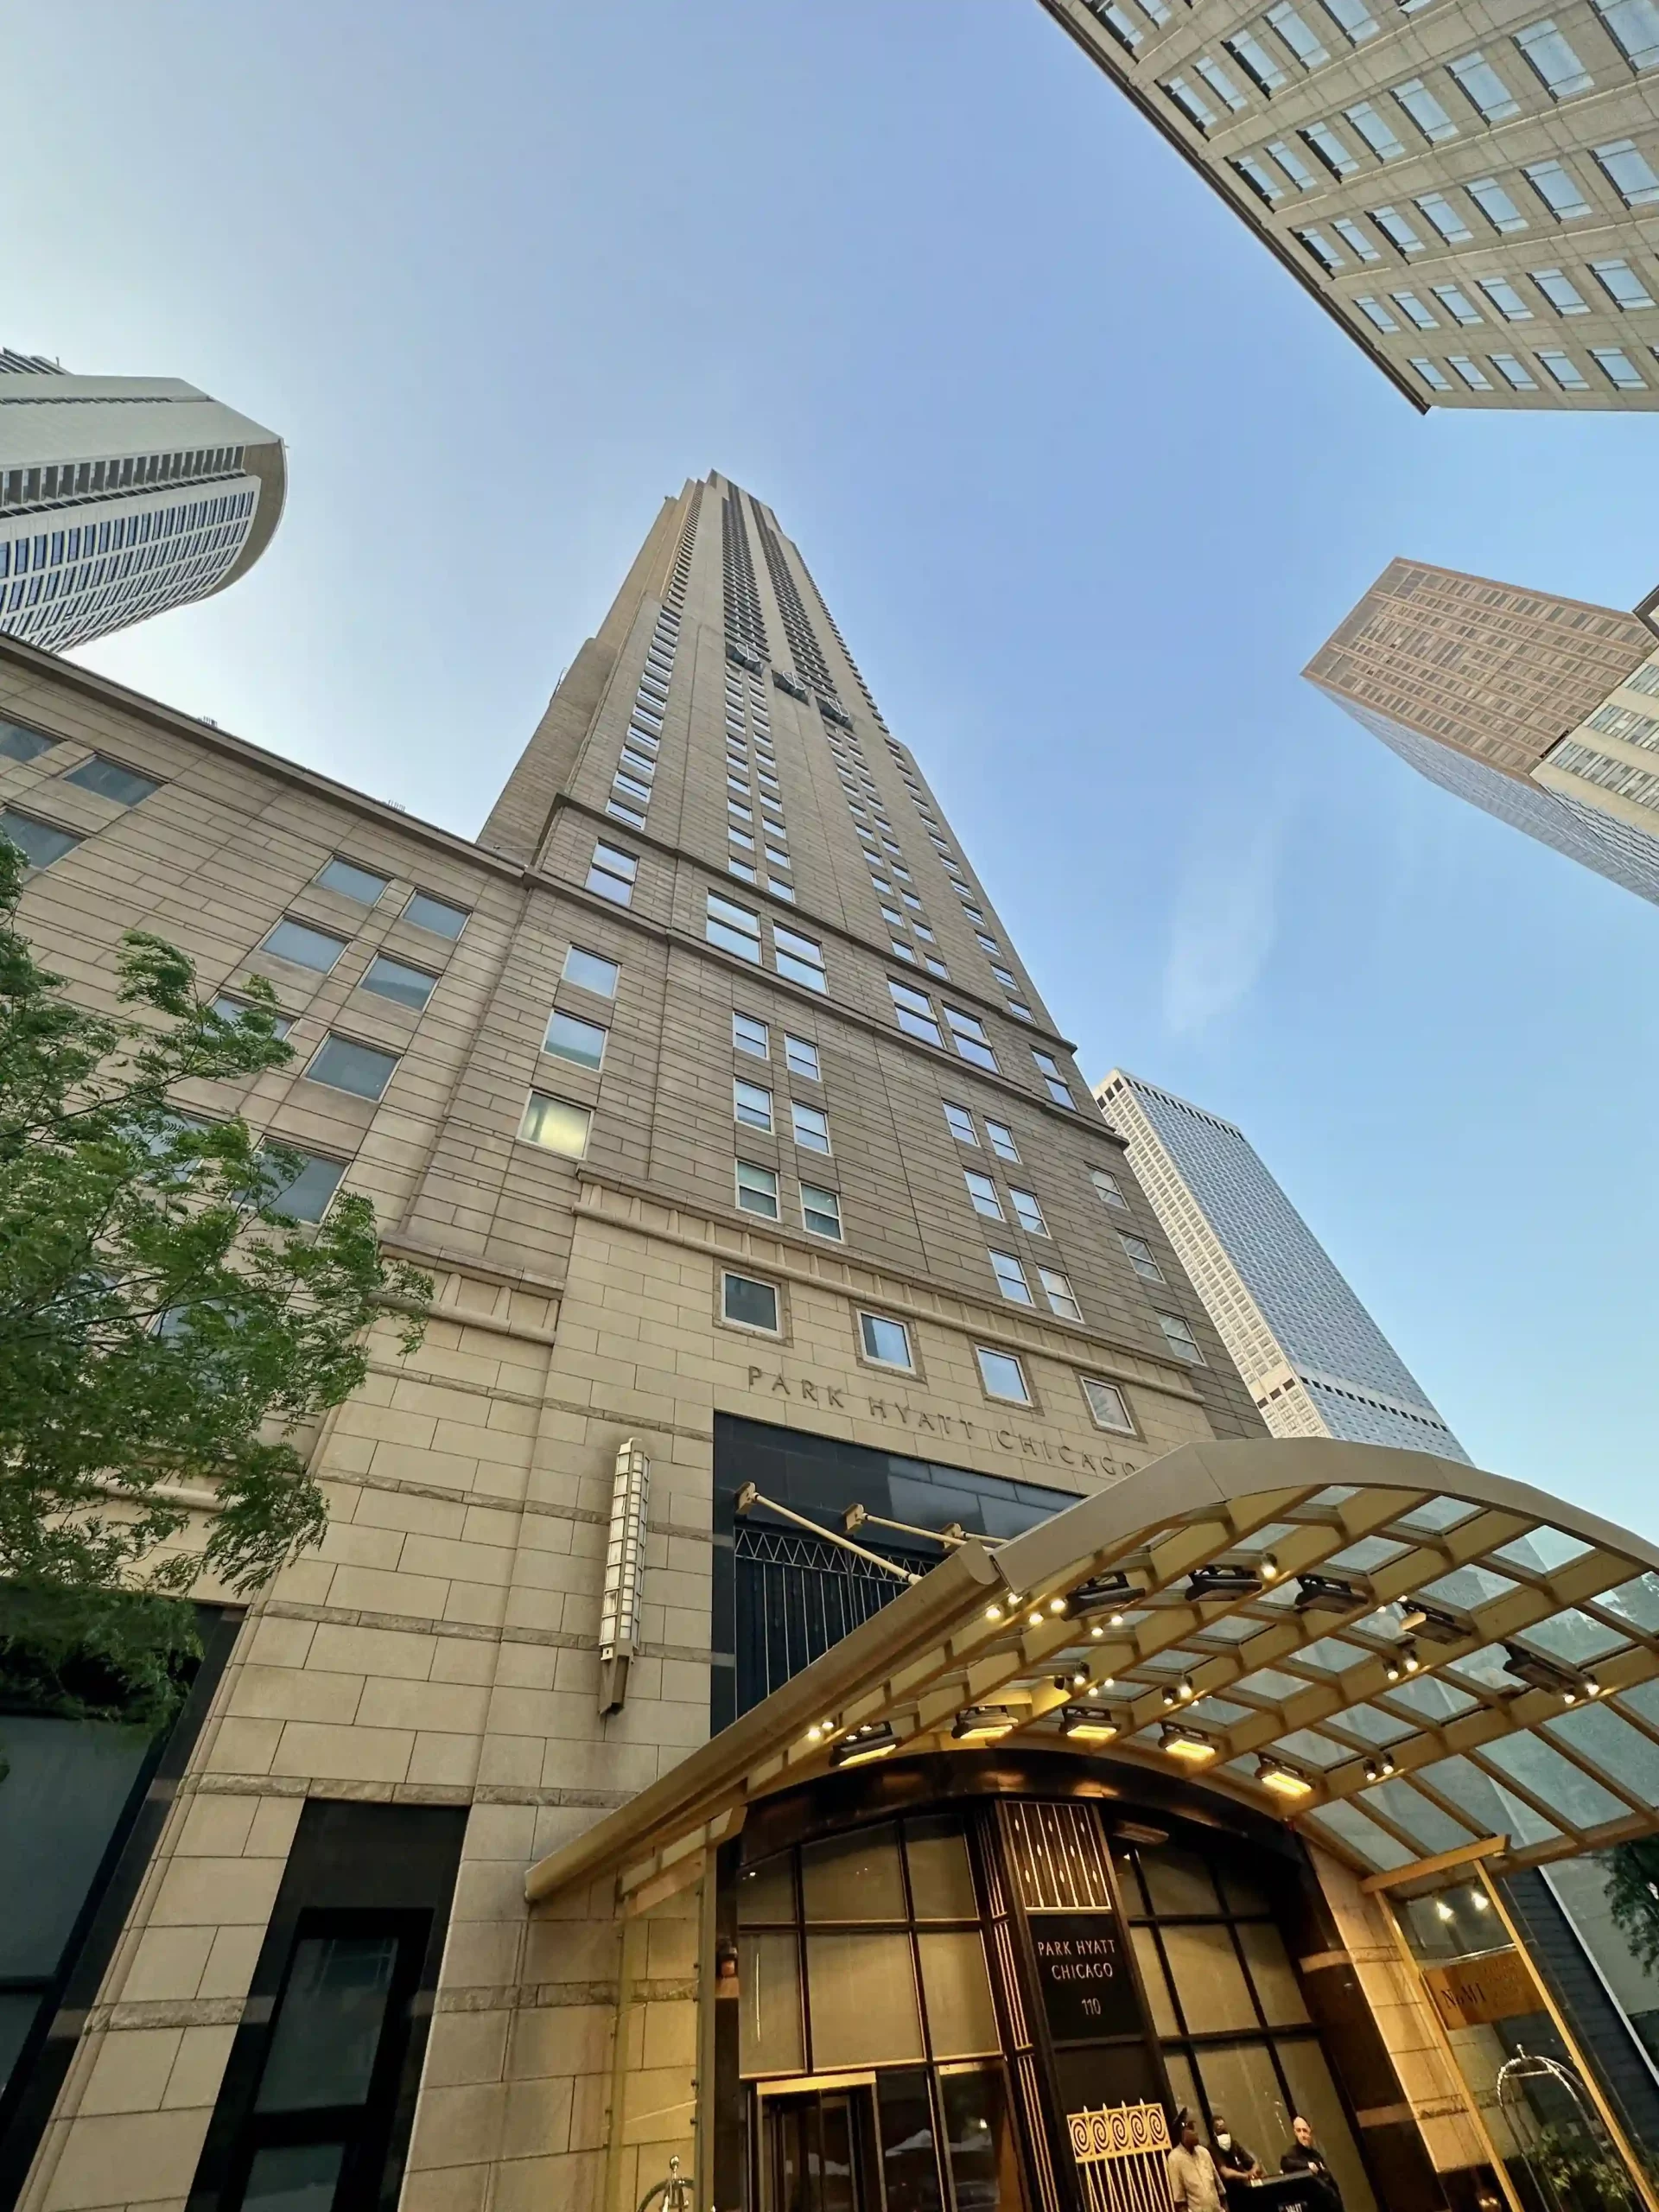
column 1320, row 247
column 1628, row 172
column 1617, row 368
column 812, row 1127
column 968, row 1033
column 1425, row 111
column 1456, row 304
column 821, row 1212
column 1060, row 1294
column 1293, row 165
column 1375, row 130
column 913, row 1011
column 306, row 1193
column 1178, row 1335
column 1002, row 1376
column 885, row 1341
column 1256, row 61
column 1495, row 205
column 748, row 1304
column 1354, row 17
column 1561, row 292
column 591, row 971
column 1435, row 378
column 234, row 1009
column 1059, row 1089
column 752, row 1106
column 1635, row 27
column 1141, row 1259
column 1472, row 376
column 556, row 1125
column 751, row 1036
column 18, row 743
column 1621, row 284
column 1255, row 174
column 1297, row 35
column 983, row 1192
column 1414, row 310
column 1220, row 83
column 1026, row 1212
column 800, row 958
column 1108, row 1189
column 1376, row 315
column 1562, row 369
column 960, row 1122
column 1556, row 189
column 734, row 928
column 40, row 843
column 1002, row 1143
column 1551, row 60
column 1355, row 239
column 611, row 873
column 1395, row 228
column 801, row 1057
column 1107, row 1407
column 1512, row 372
column 344, row 1064
column 304, row 946
column 1192, row 103
column 436, row 914
column 127, row 787
column 757, row 1189
column 364, row 885
column 1483, row 88
column 1011, row 1279
column 582, row 1043
column 1505, row 297
column 394, row 980
column 1445, row 217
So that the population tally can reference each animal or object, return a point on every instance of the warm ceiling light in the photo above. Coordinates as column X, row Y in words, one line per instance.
column 1269, row 1567
column 1056, row 1605
column 1409, row 1658
column 1116, row 1621
column 1328, row 1593
column 1088, row 1727
column 1036, row 1616
column 992, row 1612
column 1480, row 1901
column 874, row 1740
column 1222, row 1579
column 978, row 1723
column 1284, row 1780
column 1185, row 1743
column 1417, row 1618
column 1103, row 1592
column 1443, row 1909
column 1379, row 1768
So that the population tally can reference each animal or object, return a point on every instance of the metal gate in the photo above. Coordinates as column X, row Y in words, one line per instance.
column 795, row 1598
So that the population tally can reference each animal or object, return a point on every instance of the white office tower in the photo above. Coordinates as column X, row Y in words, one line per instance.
column 1316, row 1363
column 120, row 496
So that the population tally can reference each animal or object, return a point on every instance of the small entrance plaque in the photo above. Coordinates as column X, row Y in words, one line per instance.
column 1084, row 1976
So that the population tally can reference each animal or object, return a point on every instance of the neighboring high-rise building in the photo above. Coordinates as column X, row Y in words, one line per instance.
column 1468, row 191
column 1316, row 1363
column 121, row 496
column 1542, row 711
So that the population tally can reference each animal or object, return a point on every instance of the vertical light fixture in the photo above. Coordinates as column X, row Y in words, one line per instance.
column 624, row 1571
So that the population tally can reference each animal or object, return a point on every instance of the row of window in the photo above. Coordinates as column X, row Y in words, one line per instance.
column 1504, row 295
column 1611, row 364
column 631, row 785
column 749, row 1302
column 901, row 910
column 917, row 1015
column 1265, row 50
column 988, row 944
column 756, row 1192
column 1424, row 109
column 1490, row 204
column 756, row 834
column 57, row 481
column 52, row 549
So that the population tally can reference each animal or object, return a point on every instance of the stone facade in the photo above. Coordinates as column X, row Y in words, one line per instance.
column 1469, row 192
column 442, row 1645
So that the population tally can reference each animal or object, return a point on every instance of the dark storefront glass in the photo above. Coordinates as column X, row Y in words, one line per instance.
column 782, row 1596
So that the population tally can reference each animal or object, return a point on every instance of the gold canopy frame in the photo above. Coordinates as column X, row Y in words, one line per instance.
column 1317, row 1701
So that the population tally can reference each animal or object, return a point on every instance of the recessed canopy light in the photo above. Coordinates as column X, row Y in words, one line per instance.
column 1188, row 1743
column 1087, row 1727
column 1283, row 1780
column 978, row 1723
column 874, row 1740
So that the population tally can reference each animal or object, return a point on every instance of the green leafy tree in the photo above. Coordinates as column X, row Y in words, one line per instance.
column 1633, row 1896
column 165, row 1328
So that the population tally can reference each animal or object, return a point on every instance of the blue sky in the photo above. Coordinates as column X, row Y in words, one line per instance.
column 1084, row 476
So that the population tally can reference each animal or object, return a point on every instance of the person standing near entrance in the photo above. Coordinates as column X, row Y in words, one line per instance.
column 1305, row 2156
column 1236, row 2165
column 1193, row 2182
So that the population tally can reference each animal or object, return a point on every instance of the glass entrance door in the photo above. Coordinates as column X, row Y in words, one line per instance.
column 817, row 2152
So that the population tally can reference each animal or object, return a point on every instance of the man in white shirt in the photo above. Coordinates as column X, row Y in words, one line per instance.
column 1193, row 2182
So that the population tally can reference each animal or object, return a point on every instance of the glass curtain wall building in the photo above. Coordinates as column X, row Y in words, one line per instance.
column 121, row 497
column 1316, row 1363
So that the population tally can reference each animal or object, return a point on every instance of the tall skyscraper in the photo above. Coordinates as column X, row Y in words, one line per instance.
column 121, row 496
column 1467, row 191
column 1316, row 1363
column 1539, row 710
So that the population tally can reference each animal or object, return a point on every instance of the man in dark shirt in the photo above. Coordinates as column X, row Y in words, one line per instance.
column 1235, row 2163
column 1305, row 2156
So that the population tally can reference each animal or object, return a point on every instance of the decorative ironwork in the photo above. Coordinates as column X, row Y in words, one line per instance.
column 1121, row 2153
column 797, row 1595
